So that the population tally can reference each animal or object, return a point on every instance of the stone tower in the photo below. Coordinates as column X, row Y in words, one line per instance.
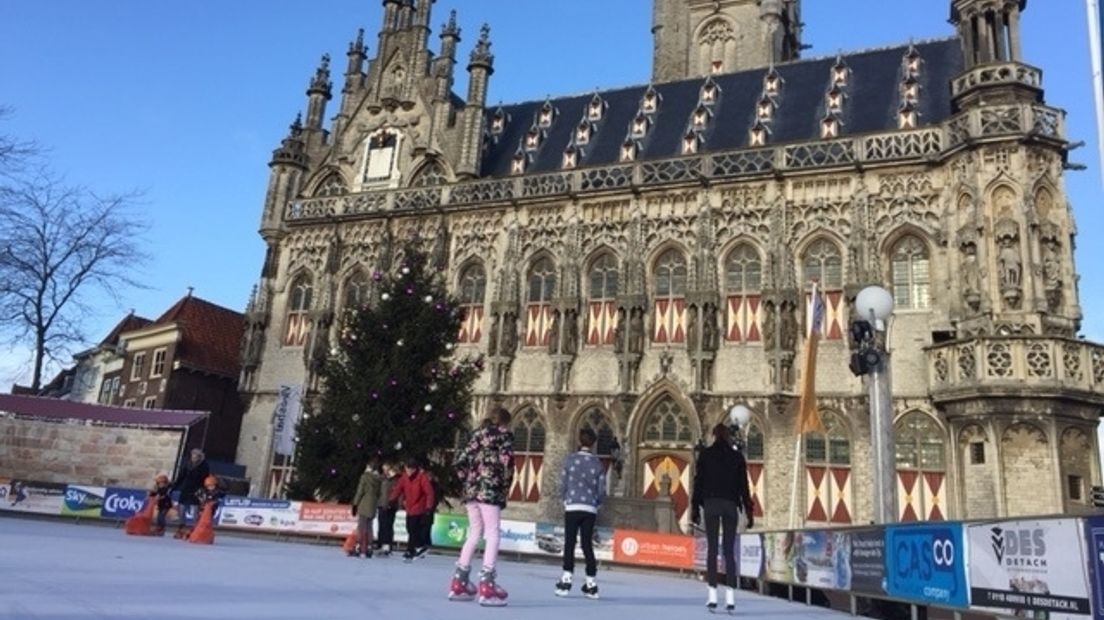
column 694, row 38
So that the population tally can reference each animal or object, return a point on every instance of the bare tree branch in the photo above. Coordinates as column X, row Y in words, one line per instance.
column 15, row 155
column 58, row 244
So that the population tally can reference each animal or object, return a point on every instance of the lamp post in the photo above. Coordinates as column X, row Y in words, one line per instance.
column 738, row 417
column 874, row 306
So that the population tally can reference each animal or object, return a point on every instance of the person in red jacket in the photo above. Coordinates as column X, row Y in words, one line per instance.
column 416, row 492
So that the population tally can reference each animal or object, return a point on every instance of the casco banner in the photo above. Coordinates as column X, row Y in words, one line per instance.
column 82, row 501
column 927, row 564
column 122, row 503
column 652, row 549
column 1029, row 566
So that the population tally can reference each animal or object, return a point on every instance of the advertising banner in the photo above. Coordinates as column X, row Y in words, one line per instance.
column 329, row 519
column 927, row 564
column 518, row 537
column 122, row 503
column 550, row 541
column 652, row 549
column 868, row 562
column 1029, row 566
column 1094, row 532
column 285, row 418
column 750, row 555
column 273, row 515
column 778, row 555
column 449, row 530
column 44, row 498
column 822, row 559
column 82, row 501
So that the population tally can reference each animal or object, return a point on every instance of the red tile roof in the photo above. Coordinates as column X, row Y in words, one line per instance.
column 57, row 409
column 210, row 335
column 129, row 323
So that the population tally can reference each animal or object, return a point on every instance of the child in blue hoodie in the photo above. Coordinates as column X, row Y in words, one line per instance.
column 584, row 486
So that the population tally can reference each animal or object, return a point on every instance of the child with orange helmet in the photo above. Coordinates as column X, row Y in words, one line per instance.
column 208, row 496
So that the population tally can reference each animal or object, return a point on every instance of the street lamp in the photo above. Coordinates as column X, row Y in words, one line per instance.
column 738, row 417
column 874, row 306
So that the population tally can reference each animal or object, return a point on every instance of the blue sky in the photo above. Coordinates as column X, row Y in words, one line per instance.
column 186, row 100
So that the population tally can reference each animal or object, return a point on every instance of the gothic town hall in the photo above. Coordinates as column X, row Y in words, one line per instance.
column 638, row 260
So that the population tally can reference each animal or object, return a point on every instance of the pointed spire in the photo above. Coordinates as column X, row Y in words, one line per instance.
column 357, row 47
column 321, row 82
column 481, row 56
column 451, row 29
column 296, row 126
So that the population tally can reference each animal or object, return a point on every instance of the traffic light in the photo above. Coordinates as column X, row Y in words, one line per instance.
column 1098, row 497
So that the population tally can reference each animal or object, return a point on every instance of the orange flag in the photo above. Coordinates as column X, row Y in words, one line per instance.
column 808, row 417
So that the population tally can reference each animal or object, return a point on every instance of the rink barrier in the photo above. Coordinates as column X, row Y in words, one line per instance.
column 1010, row 567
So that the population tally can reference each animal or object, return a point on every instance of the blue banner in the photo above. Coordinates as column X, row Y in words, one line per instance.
column 927, row 564
column 1094, row 530
column 122, row 503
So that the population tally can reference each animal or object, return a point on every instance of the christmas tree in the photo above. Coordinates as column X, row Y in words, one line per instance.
column 390, row 387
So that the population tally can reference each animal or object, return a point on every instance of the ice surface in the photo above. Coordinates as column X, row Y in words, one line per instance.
column 64, row 571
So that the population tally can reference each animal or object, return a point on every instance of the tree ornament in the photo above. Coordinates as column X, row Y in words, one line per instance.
column 400, row 342
column 406, row 270
column 429, row 299
column 385, row 296
column 428, row 408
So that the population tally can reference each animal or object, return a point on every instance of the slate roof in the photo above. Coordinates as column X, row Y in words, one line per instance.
column 873, row 98
column 57, row 409
column 210, row 335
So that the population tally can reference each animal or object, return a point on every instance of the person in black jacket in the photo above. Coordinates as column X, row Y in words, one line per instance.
column 188, row 482
column 721, row 492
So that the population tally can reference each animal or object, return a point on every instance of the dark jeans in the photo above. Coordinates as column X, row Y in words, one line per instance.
column 162, row 516
column 416, row 531
column 721, row 514
column 386, row 527
column 576, row 523
column 186, row 514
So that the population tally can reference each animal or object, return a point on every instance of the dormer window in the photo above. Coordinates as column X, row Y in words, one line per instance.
column 533, row 139
column 912, row 62
column 717, row 66
column 772, row 83
column 498, row 122
column 700, row 118
column 582, row 133
column 517, row 165
column 764, row 111
column 829, row 127
column 570, row 158
column 596, row 109
column 910, row 89
column 834, row 100
column 840, row 73
column 907, row 117
column 758, row 135
column 709, row 92
column 546, row 115
column 639, row 126
column 691, row 143
column 628, row 151
column 650, row 103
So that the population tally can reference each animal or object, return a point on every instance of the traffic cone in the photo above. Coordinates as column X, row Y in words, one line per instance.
column 204, row 531
column 141, row 523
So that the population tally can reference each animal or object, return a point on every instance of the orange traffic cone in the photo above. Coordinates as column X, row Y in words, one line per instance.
column 204, row 531
column 350, row 544
column 141, row 524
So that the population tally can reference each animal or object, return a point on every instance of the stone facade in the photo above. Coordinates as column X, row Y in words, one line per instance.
column 644, row 285
column 79, row 453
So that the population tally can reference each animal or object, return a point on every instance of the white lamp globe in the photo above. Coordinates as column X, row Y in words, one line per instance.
column 739, row 416
column 874, row 303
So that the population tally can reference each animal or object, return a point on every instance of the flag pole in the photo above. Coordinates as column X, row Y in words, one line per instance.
column 796, row 473
column 801, row 423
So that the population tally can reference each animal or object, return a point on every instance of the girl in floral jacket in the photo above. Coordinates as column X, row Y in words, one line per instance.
column 486, row 469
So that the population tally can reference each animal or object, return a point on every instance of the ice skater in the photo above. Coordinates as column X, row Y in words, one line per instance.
column 209, row 498
column 365, row 504
column 721, row 489
column 188, row 483
column 583, row 481
column 161, row 495
column 416, row 492
column 486, row 469
column 385, row 537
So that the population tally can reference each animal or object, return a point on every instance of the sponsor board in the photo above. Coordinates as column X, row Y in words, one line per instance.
column 518, row 537
column 449, row 530
column 778, row 556
column 1026, row 566
column 259, row 514
column 868, row 562
column 82, row 501
column 550, row 541
column 927, row 564
column 1094, row 532
column 652, row 549
column 822, row 559
column 750, row 555
column 44, row 498
column 328, row 519
column 122, row 503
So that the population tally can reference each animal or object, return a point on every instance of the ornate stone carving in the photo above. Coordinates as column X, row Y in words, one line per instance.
column 970, row 268
column 1009, row 262
column 1051, row 249
column 636, row 331
column 710, row 331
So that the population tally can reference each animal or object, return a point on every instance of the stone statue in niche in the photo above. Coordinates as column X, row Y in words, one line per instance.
column 770, row 334
column 692, row 338
column 636, row 331
column 570, row 332
column 1009, row 262
column 1052, row 266
column 620, row 332
column 509, row 333
column 554, row 334
column 492, row 336
column 788, row 326
column 971, row 273
column 710, row 329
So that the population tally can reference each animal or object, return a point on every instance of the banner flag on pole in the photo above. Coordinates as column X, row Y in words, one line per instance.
column 808, row 417
column 286, row 418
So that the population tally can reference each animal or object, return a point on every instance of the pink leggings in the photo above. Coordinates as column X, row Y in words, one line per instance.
column 483, row 520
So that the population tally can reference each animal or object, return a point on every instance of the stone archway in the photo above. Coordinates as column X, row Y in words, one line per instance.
column 665, row 434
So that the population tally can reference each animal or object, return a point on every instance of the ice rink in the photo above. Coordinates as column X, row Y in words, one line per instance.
column 60, row 571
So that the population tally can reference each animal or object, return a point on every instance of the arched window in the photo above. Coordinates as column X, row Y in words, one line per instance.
column 529, row 436
column 668, row 424
column 429, row 175
column 602, row 304
column 597, row 421
column 911, row 273
column 473, row 288
column 332, row 185
column 743, row 283
column 716, row 47
column 823, row 263
column 538, row 314
column 755, row 452
column 828, row 472
column 670, row 298
column 357, row 287
column 921, row 468
column 297, row 325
